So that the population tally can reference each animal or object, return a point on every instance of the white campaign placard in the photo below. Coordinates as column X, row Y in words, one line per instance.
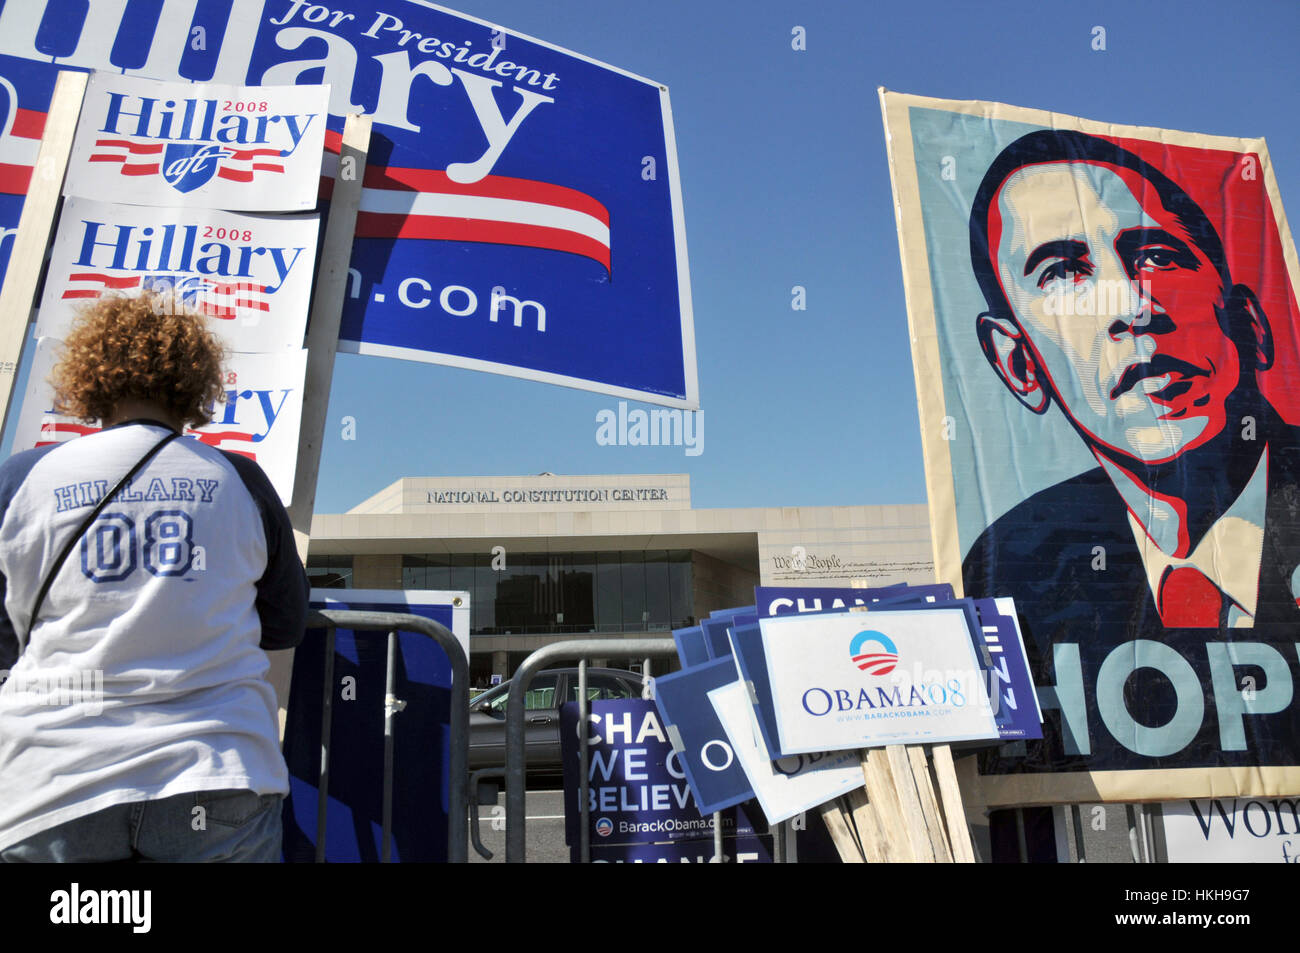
column 250, row 275
column 788, row 786
column 864, row 679
column 259, row 419
column 204, row 145
column 1263, row 830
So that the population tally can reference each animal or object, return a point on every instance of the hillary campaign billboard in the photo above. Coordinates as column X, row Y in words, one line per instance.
column 521, row 211
column 1104, row 331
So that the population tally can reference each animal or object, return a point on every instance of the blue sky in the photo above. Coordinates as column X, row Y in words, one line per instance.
column 785, row 183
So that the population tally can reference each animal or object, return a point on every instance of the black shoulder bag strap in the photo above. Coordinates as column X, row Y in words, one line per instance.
column 73, row 540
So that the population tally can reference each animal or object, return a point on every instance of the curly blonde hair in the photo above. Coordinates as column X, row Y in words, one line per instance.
column 139, row 347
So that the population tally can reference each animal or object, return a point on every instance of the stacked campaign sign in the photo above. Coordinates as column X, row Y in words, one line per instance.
column 173, row 150
column 250, row 275
column 521, row 211
column 996, row 637
column 892, row 676
column 804, row 679
column 199, row 145
column 642, row 808
column 707, row 708
column 258, row 420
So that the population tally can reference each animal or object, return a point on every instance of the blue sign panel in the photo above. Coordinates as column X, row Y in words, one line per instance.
column 735, row 850
column 1011, row 689
column 779, row 600
column 422, row 746
column 639, row 792
column 521, row 212
column 691, row 647
column 715, row 774
column 715, row 637
column 752, row 663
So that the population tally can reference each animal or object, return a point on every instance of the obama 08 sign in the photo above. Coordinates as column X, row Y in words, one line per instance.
column 1104, row 332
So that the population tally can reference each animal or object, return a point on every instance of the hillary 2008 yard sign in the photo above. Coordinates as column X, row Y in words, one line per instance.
column 521, row 213
column 198, row 145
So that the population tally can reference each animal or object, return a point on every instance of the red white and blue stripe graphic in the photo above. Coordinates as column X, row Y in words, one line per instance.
column 424, row 203
column 92, row 284
column 873, row 652
column 212, row 298
column 396, row 202
column 60, row 430
column 145, row 158
column 20, row 140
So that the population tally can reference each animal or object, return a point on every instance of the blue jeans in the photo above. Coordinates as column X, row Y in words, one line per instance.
column 203, row 826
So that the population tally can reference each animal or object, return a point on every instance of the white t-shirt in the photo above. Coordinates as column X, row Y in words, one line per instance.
column 145, row 674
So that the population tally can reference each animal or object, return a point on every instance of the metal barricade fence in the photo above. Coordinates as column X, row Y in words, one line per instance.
column 581, row 649
column 1139, row 822
column 458, row 774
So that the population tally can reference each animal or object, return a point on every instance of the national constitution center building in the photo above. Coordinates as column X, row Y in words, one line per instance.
column 549, row 558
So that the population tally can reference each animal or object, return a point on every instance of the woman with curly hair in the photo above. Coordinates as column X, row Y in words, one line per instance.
column 143, row 578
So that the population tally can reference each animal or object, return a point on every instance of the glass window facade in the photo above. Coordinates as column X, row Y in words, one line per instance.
column 329, row 572
column 559, row 593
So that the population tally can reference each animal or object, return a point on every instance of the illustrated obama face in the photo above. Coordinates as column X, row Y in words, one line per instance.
column 1114, row 310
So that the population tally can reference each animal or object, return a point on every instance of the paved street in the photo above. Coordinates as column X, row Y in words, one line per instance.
column 545, row 841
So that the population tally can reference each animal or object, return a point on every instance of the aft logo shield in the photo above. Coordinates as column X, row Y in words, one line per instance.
column 191, row 165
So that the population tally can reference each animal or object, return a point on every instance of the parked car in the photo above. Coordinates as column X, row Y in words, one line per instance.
column 548, row 690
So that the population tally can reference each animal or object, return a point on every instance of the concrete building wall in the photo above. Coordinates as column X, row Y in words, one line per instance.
column 732, row 550
column 377, row 572
column 719, row 585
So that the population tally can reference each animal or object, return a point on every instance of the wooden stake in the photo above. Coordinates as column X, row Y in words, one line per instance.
column 884, row 797
column 909, row 801
column 871, row 836
column 322, row 345
column 326, row 313
column 954, row 812
column 35, row 225
column 845, row 842
column 930, row 805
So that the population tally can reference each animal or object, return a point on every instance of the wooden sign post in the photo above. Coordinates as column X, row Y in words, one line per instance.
column 322, row 346
column 35, row 226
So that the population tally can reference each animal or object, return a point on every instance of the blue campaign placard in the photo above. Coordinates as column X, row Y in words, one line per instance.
column 422, row 744
column 521, row 211
column 717, row 629
column 716, row 639
column 704, row 752
column 691, row 646
column 747, row 642
column 751, row 849
column 639, row 792
column 778, row 600
column 1011, row 687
